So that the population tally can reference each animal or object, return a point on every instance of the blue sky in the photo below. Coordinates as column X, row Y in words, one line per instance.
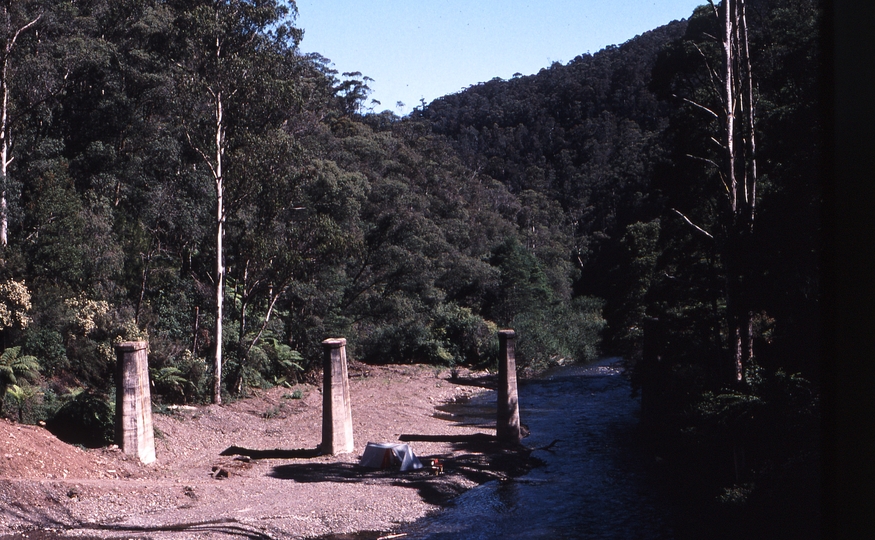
column 424, row 49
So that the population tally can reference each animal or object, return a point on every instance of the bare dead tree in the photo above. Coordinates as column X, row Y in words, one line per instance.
column 736, row 167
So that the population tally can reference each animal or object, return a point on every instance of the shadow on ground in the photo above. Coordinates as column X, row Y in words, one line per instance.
column 482, row 459
column 488, row 381
column 300, row 453
column 52, row 527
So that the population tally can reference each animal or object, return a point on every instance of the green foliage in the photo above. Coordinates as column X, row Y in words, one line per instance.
column 760, row 446
column 14, row 304
column 128, row 330
column 179, row 379
column 170, row 382
column 779, row 266
column 286, row 362
column 194, row 370
column 632, row 277
column 541, row 203
column 449, row 336
column 21, row 396
column 760, row 436
column 551, row 331
column 87, row 419
column 15, row 366
column 45, row 408
column 32, row 404
column 402, row 342
column 272, row 363
column 523, row 287
column 561, row 334
column 48, row 346
column 775, row 414
column 90, row 327
column 462, row 338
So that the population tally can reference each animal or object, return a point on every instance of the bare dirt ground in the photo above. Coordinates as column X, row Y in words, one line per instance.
column 49, row 489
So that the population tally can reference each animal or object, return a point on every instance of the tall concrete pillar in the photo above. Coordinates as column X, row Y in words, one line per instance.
column 508, row 420
column 336, row 404
column 133, row 402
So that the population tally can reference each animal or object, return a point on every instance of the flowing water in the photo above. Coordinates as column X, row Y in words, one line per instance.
column 592, row 485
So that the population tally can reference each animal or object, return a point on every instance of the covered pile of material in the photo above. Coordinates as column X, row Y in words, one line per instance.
column 389, row 455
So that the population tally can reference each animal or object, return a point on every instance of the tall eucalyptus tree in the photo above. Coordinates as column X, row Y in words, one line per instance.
column 233, row 92
column 16, row 18
column 738, row 171
column 711, row 72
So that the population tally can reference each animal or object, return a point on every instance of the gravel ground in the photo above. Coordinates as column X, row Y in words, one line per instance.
column 49, row 489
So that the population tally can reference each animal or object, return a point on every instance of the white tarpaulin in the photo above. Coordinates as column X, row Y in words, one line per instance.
column 389, row 455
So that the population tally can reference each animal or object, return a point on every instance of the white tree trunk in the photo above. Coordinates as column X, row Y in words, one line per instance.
column 751, row 149
column 220, row 267
column 5, row 143
column 739, row 141
column 4, row 154
column 729, row 103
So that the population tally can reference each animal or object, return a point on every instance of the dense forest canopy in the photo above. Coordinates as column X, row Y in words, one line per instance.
column 179, row 171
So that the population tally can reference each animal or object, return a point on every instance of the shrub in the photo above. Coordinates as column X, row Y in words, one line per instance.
column 449, row 335
column 15, row 366
column 465, row 337
column 22, row 397
column 87, row 419
column 563, row 333
column 181, row 379
column 48, row 346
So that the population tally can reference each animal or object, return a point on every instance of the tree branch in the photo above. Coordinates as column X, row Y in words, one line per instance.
column 714, row 7
column 19, row 31
column 712, row 73
column 203, row 155
column 700, row 106
column 713, row 164
column 273, row 300
column 693, row 225
column 706, row 160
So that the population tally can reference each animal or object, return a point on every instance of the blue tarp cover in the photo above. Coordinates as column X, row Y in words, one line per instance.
column 389, row 455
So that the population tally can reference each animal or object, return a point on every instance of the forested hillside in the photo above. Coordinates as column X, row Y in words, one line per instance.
column 173, row 165
column 179, row 171
column 701, row 235
column 583, row 138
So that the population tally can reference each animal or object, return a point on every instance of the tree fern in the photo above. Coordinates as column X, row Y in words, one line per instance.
column 14, row 366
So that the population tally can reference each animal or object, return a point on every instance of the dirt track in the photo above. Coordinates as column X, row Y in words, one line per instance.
column 47, row 485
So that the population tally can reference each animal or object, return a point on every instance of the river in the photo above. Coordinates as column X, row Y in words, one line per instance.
column 592, row 484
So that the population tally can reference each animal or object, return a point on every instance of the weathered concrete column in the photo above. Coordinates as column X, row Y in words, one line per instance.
column 336, row 404
column 508, row 421
column 133, row 402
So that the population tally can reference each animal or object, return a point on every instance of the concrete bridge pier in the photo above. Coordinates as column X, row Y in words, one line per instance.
column 508, row 419
column 133, row 403
column 336, row 404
